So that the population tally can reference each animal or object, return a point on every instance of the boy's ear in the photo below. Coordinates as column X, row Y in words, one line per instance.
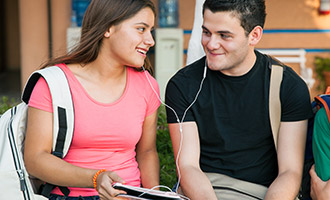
column 255, row 35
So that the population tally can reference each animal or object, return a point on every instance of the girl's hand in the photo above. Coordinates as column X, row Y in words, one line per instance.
column 104, row 183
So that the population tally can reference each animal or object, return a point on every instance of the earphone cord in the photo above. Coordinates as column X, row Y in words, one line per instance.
column 178, row 120
column 162, row 186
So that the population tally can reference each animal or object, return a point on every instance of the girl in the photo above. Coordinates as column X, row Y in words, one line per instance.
column 115, row 107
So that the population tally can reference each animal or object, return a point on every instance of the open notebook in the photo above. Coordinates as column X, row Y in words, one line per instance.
column 138, row 193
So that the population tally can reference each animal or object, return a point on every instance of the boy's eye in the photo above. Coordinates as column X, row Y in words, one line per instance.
column 224, row 36
column 206, row 32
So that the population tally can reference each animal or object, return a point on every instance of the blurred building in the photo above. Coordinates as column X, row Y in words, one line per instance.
column 34, row 31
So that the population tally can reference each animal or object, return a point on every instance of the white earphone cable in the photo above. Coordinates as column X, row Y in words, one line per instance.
column 176, row 115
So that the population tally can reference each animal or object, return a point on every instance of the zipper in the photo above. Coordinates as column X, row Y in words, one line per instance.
column 21, row 179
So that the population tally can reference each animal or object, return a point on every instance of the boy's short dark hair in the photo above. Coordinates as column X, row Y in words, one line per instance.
column 251, row 13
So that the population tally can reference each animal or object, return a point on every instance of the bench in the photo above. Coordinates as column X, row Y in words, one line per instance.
column 288, row 56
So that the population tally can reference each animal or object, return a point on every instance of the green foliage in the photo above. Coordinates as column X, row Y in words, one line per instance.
column 6, row 103
column 321, row 65
column 165, row 152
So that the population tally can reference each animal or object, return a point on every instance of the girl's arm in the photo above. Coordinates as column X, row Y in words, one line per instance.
column 146, row 152
column 42, row 164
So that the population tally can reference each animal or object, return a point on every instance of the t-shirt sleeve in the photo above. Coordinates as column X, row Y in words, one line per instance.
column 153, row 96
column 177, row 100
column 41, row 97
column 170, row 94
column 321, row 148
column 296, row 101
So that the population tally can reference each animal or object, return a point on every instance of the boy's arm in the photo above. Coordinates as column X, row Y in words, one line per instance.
column 194, row 182
column 290, row 155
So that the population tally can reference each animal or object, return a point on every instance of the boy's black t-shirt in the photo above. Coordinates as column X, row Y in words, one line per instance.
column 232, row 116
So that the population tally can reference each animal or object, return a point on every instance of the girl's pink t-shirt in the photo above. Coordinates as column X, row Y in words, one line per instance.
column 105, row 135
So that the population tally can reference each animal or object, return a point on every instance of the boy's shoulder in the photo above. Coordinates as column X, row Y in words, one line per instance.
column 192, row 70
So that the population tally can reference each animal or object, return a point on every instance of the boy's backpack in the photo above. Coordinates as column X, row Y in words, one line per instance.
column 319, row 102
column 15, row 181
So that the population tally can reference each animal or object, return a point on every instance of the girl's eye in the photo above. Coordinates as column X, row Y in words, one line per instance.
column 141, row 29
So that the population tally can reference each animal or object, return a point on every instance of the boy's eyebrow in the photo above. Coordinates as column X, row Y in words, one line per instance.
column 203, row 27
column 219, row 32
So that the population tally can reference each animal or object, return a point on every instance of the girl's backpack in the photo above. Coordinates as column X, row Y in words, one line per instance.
column 15, row 181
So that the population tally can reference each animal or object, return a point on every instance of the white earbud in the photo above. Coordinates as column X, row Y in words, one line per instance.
column 205, row 70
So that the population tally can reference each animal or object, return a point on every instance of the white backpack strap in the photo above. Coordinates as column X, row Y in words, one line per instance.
column 274, row 100
column 63, row 112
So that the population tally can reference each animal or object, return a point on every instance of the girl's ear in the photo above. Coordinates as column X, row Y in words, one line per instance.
column 108, row 33
column 255, row 35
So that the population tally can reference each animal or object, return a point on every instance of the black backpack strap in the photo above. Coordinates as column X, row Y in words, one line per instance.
column 62, row 130
column 48, row 188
